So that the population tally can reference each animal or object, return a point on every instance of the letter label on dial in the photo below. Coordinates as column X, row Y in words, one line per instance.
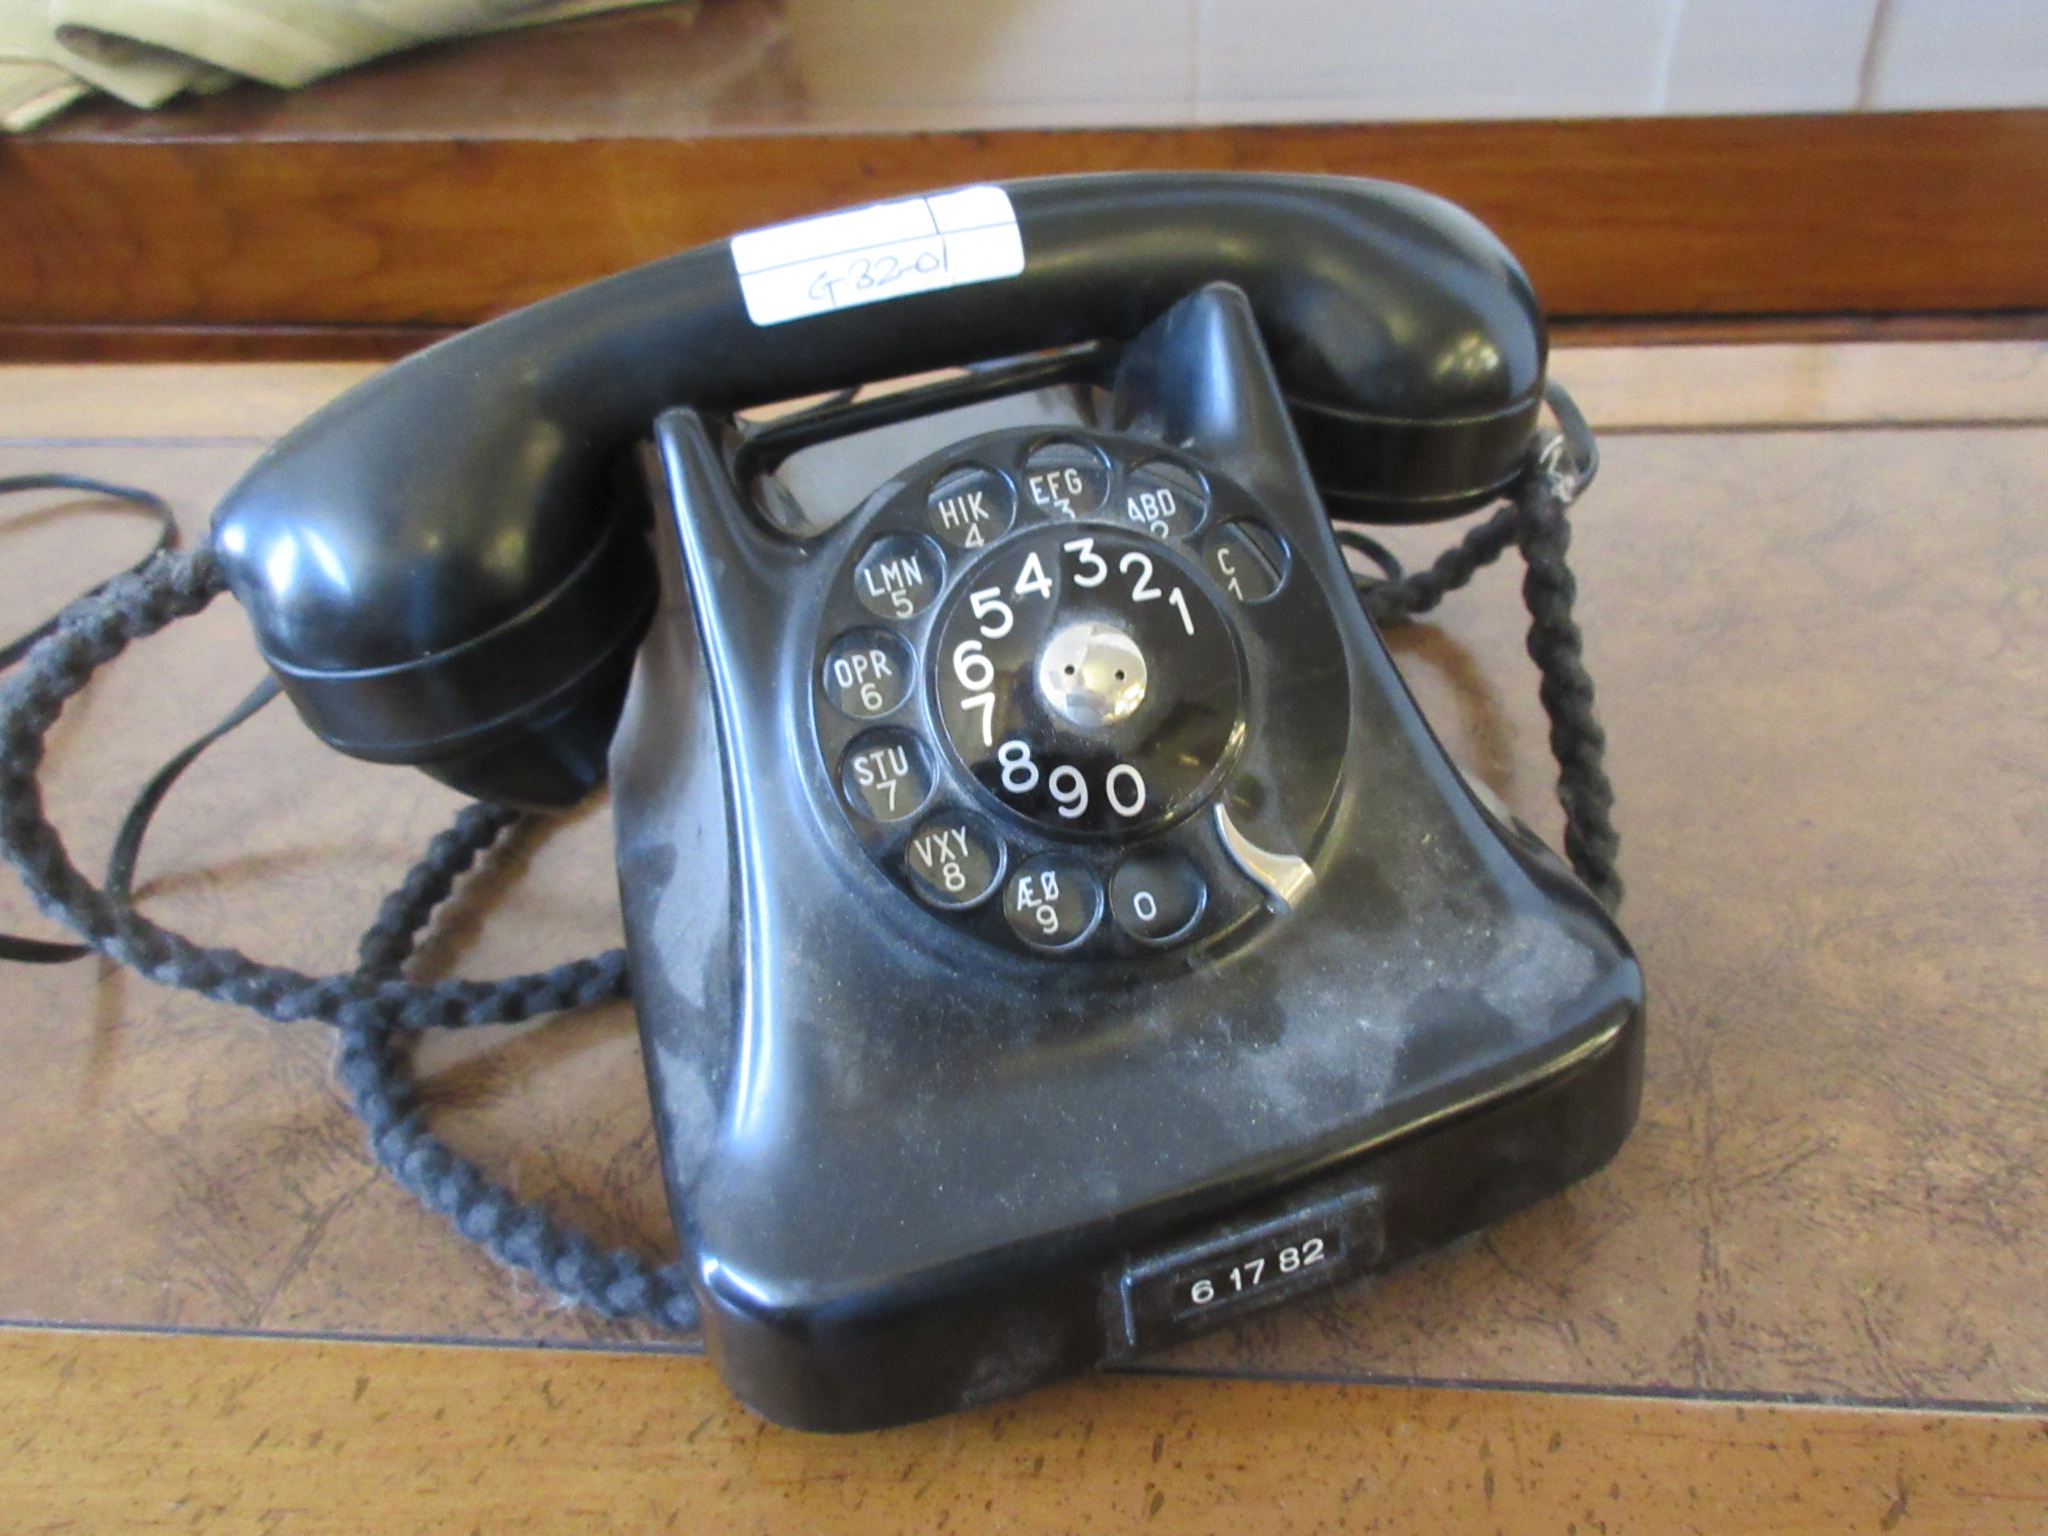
column 883, row 771
column 897, row 576
column 1059, row 489
column 1066, row 480
column 1052, row 904
column 969, row 506
column 886, row 775
column 952, row 863
column 867, row 673
column 963, row 516
column 895, row 583
column 1156, row 510
column 1166, row 499
column 863, row 669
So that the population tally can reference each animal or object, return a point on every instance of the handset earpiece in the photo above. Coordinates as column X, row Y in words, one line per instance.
column 442, row 570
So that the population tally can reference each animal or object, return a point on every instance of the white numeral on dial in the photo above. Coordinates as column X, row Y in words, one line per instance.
column 1083, row 551
column 1132, row 800
column 1020, row 774
column 1142, row 590
column 1032, row 580
column 989, row 600
column 1069, row 789
column 974, row 670
column 986, row 703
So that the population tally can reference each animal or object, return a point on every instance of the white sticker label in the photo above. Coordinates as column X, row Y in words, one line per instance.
column 866, row 255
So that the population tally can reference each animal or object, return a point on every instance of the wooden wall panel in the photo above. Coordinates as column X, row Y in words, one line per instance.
column 1863, row 214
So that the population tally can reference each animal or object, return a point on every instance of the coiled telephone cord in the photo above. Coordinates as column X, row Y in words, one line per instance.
column 376, row 1010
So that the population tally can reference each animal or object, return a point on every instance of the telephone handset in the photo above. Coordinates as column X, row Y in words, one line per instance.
column 1054, row 929
column 443, row 571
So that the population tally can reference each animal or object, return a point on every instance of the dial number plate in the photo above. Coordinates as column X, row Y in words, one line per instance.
column 1129, row 766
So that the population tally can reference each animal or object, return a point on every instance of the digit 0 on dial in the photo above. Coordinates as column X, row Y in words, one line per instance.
column 1087, row 682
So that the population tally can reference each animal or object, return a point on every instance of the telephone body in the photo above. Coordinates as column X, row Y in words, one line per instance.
column 1054, row 929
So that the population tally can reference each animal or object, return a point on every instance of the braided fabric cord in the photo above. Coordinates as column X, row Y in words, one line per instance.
column 12, row 946
column 1533, row 520
column 378, row 1012
column 91, row 633
column 374, row 1008
column 1577, row 741
column 375, row 1067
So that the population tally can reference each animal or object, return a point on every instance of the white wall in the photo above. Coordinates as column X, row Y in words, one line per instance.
column 1063, row 63
column 1961, row 53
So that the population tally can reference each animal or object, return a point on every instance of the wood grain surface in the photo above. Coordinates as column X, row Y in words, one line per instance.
column 138, row 1433
column 1813, row 583
column 453, row 183
column 1685, row 216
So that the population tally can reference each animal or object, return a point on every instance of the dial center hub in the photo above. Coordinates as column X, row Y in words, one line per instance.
column 1092, row 674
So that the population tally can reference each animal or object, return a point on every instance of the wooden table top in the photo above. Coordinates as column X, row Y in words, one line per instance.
column 1807, row 1293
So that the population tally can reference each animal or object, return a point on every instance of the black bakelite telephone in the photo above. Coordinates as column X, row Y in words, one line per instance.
column 1054, row 929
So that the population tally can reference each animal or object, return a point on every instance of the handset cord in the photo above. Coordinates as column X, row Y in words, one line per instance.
column 376, row 1010
column 40, row 951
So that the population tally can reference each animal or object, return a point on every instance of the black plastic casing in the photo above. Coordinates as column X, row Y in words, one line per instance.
column 442, row 570
column 913, row 1171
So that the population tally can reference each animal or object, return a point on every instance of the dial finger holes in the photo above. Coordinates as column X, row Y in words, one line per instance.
column 866, row 673
column 1165, row 499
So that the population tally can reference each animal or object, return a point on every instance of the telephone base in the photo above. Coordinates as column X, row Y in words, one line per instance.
column 1019, row 1321
column 1054, row 928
